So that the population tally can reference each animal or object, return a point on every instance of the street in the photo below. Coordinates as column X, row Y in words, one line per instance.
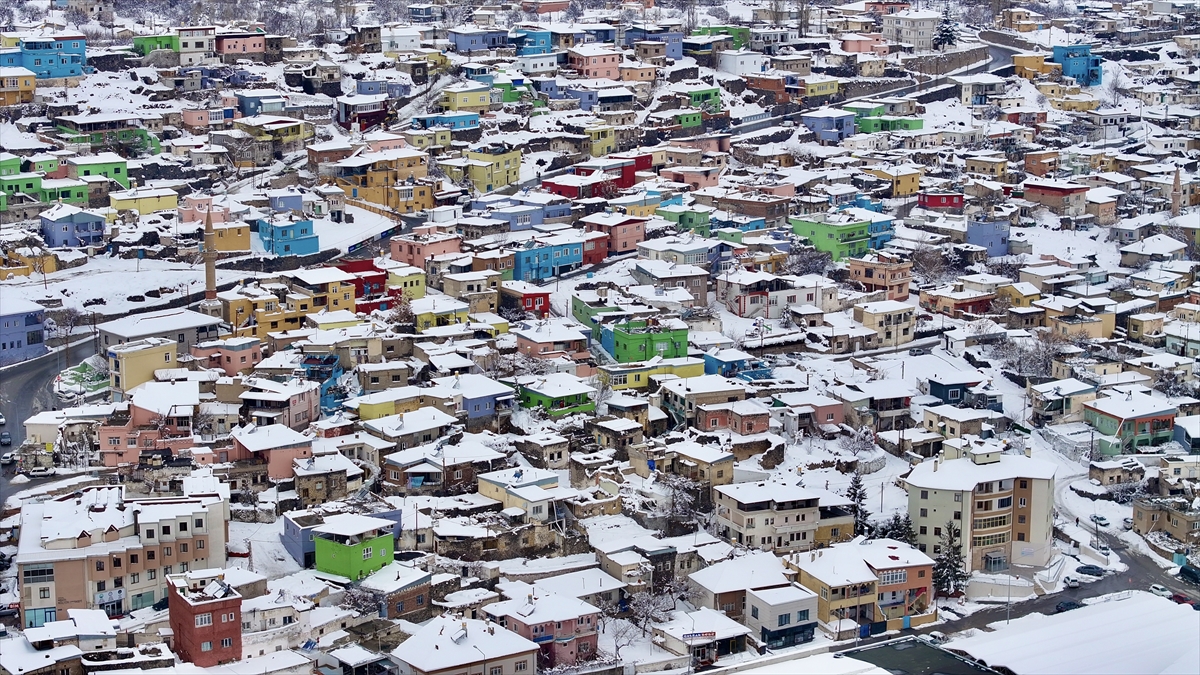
column 26, row 389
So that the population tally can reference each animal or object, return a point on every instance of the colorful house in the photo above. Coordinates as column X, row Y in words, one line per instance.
column 48, row 56
column 143, row 200
column 108, row 164
column 633, row 341
column 557, row 393
column 67, row 225
column 17, row 85
column 840, row 234
column 353, row 546
column 1127, row 421
column 281, row 234
column 1078, row 62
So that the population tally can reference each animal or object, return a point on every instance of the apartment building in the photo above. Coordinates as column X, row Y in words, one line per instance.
column 1174, row 515
column 913, row 27
column 564, row 627
column 894, row 322
column 131, row 364
column 879, row 271
column 96, row 550
column 1002, row 504
column 205, row 617
column 781, row 517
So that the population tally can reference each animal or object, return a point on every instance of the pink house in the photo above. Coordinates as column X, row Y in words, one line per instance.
column 241, row 46
column 158, row 416
column 742, row 417
column 555, row 339
column 564, row 628
column 624, row 232
column 864, row 43
column 275, row 444
column 195, row 208
column 808, row 409
column 593, row 60
column 378, row 141
column 294, row 404
column 233, row 356
column 424, row 243
column 696, row 176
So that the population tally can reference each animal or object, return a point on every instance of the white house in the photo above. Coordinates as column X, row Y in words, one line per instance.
column 742, row 62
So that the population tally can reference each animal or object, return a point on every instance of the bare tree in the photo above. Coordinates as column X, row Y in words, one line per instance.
column 682, row 492
column 646, row 608
column 859, row 442
column 1112, row 89
column 402, row 312
column 802, row 260
column 623, row 634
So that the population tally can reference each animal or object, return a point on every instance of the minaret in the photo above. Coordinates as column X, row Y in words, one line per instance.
column 210, row 306
column 1176, row 195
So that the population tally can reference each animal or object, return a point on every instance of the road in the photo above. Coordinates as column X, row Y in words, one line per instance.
column 26, row 389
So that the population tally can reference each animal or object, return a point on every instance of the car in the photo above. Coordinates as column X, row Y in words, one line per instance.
column 1101, row 547
column 40, row 472
column 1099, row 520
column 1160, row 590
column 1128, row 523
column 1180, row 599
column 5, row 438
column 919, row 351
column 1067, row 605
column 1070, row 582
column 1090, row 570
column 7, row 458
column 2, row 420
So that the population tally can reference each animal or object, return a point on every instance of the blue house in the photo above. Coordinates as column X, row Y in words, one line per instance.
column 880, row 228
column 51, row 56
column 541, row 260
column 67, row 225
column 991, row 234
column 260, row 101
column 453, row 120
column 587, row 97
column 724, row 219
column 1077, row 62
column 377, row 87
column 22, row 336
column 830, row 125
column 727, row 362
column 519, row 217
column 530, row 41
column 482, row 397
column 298, row 526
column 282, row 235
column 286, row 199
column 548, row 86
column 673, row 39
column 425, row 13
column 552, row 205
column 473, row 38
column 479, row 72
column 602, row 32
column 953, row 386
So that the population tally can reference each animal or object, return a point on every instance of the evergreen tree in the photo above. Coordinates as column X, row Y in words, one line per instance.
column 898, row 527
column 857, row 494
column 945, row 36
column 949, row 573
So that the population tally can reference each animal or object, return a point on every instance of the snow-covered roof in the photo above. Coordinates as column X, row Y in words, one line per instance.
column 963, row 474
column 258, row 438
column 153, row 323
column 702, row 627
column 446, row 643
column 758, row 569
column 351, row 524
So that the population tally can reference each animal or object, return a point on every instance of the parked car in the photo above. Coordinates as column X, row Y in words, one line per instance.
column 1099, row 520
column 2, row 420
column 1160, row 590
column 7, row 458
column 1128, row 523
column 919, row 351
column 40, row 472
column 1067, row 605
column 1090, row 570
column 1189, row 574
column 1070, row 582
column 5, row 438
column 1181, row 599
column 1101, row 547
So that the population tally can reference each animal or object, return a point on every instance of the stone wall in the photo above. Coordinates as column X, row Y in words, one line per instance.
column 940, row 64
column 1008, row 40
column 857, row 88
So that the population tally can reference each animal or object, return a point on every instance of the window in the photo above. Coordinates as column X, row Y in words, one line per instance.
column 152, row 575
column 44, row 593
column 785, row 618
column 924, row 513
column 924, row 494
column 166, row 529
column 149, row 533
column 366, row 554
column 890, row 577
column 753, row 611
column 226, row 643
column 204, row 619
column 226, row 618
column 99, row 565
column 1022, row 502
column 521, row 666
column 200, row 543
column 206, row 646
column 183, row 548
column 166, row 550
column 496, row 670
column 421, row 599
column 135, row 578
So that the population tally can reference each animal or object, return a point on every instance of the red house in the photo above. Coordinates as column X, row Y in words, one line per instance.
column 624, row 232
column 525, row 297
column 574, row 186
column 595, row 247
column 622, row 172
column 642, row 161
column 932, row 199
column 370, row 285
column 205, row 615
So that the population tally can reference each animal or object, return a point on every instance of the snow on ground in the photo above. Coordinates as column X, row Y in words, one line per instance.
column 530, row 169
column 268, row 557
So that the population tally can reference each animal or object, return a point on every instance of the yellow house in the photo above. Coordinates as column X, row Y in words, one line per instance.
column 1075, row 103
column 392, row 401
column 603, row 140
column 17, row 85
column 637, row 375
column 466, row 97
column 637, row 72
column 407, row 277
column 993, row 166
column 1033, row 66
column 820, row 85
column 232, row 236
column 143, row 200
column 905, row 180
column 436, row 59
column 427, row 139
column 432, row 311
column 286, row 134
column 1022, row 294
column 133, row 363
column 392, row 178
column 497, row 323
column 255, row 310
column 489, row 167
column 24, row 261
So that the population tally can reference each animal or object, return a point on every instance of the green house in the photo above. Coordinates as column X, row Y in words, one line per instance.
column 108, row 164
column 556, row 393
column 694, row 217
column 21, row 183
column 690, row 119
column 586, row 305
column 699, row 94
column 353, row 546
column 837, row 234
column 44, row 162
column 740, row 34
column 108, row 129
column 870, row 125
column 863, row 109
column 10, row 164
column 635, row 341
column 144, row 44
column 1126, row 423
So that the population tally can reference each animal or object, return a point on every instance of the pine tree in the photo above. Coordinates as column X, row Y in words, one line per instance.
column 949, row 573
column 898, row 527
column 857, row 494
column 946, row 35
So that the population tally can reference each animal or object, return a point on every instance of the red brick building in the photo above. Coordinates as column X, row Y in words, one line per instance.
column 524, row 296
column 936, row 199
column 205, row 617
